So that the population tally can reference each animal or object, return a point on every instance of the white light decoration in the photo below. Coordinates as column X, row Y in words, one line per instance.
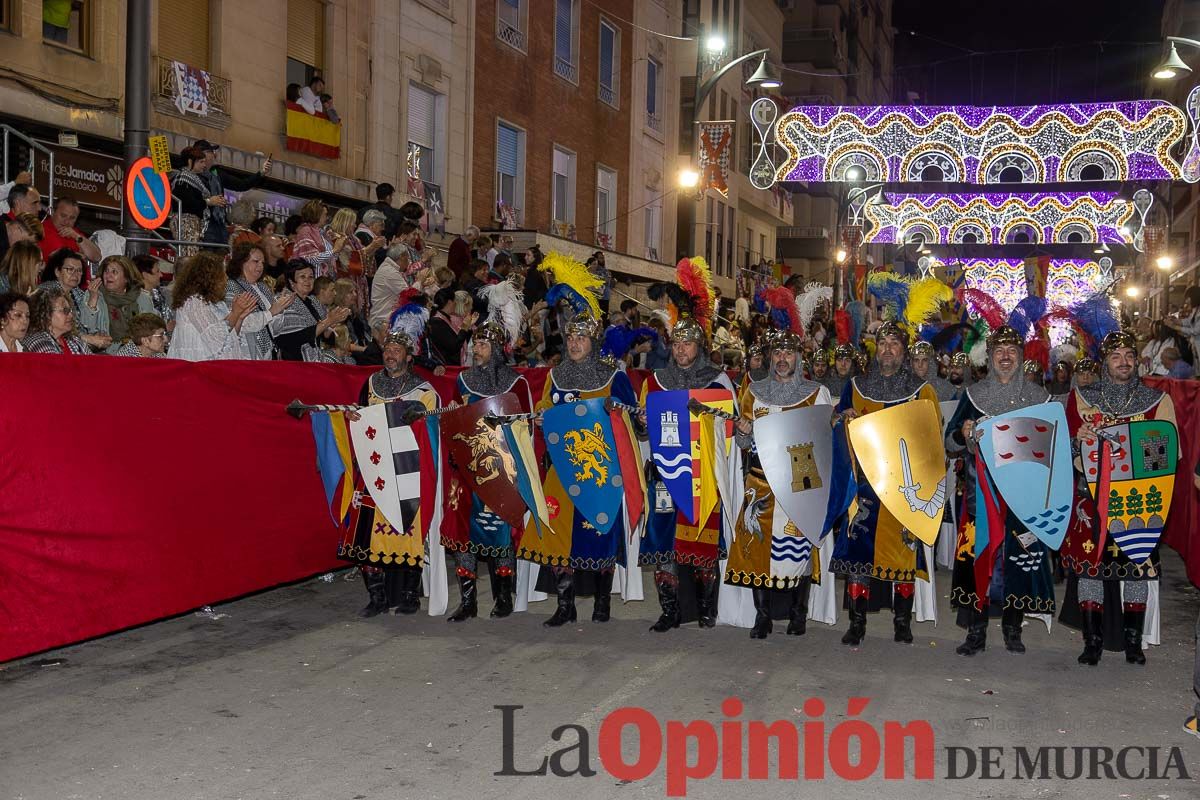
column 1069, row 280
column 997, row 218
column 984, row 144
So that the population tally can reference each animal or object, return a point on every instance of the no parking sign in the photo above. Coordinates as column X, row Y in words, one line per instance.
column 147, row 194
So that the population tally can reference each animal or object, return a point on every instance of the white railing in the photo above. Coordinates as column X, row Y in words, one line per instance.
column 608, row 95
column 654, row 122
column 566, row 70
column 510, row 35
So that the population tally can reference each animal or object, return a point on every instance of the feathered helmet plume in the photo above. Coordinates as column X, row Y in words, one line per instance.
column 574, row 283
column 618, row 339
column 783, row 312
column 690, row 301
column 808, row 301
column 406, row 326
column 506, row 309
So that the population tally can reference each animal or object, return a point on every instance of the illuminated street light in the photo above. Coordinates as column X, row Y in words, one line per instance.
column 688, row 178
column 1174, row 66
column 1132, row 292
column 840, row 255
column 715, row 44
column 1164, row 262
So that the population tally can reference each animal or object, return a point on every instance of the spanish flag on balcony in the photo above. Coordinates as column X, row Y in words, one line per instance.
column 313, row 134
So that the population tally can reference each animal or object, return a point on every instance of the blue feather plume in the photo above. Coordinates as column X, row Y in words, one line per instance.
column 857, row 310
column 1096, row 319
column 1026, row 314
column 561, row 291
column 891, row 292
column 618, row 339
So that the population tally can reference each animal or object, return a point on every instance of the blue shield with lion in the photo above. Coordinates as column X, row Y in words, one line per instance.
column 579, row 438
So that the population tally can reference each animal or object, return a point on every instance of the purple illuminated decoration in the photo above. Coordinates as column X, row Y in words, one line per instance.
column 998, row 218
column 1070, row 280
column 981, row 144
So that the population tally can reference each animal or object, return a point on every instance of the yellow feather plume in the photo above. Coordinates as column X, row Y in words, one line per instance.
column 925, row 298
column 576, row 275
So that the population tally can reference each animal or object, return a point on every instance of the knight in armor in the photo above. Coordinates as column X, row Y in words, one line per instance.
column 574, row 549
column 1109, row 580
column 923, row 359
column 761, row 521
column 391, row 565
column 1087, row 372
column 959, row 374
column 844, row 368
column 671, row 543
column 1016, row 590
column 487, row 535
column 880, row 559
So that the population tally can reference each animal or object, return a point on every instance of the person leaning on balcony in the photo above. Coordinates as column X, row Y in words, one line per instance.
column 310, row 96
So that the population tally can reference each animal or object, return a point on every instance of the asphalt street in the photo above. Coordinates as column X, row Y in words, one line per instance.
column 288, row 694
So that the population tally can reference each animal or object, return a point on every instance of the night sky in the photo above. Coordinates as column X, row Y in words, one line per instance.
column 1068, row 62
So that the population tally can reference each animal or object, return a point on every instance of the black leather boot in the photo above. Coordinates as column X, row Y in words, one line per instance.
column 377, row 591
column 902, row 610
column 798, row 621
column 668, row 598
column 706, row 598
column 566, row 601
column 468, row 606
column 858, row 621
column 976, row 641
column 603, row 599
column 762, row 613
column 502, row 592
column 1093, row 633
column 409, row 596
column 1010, row 626
column 1133, row 621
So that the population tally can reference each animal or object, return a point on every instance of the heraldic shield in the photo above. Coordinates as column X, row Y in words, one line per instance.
column 1028, row 456
column 1140, row 475
column 684, row 458
column 480, row 453
column 795, row 449
column 900, row 451
column 389, row 461
column 579, row 438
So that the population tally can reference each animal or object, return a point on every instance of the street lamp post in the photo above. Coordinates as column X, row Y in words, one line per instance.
column 763, row 76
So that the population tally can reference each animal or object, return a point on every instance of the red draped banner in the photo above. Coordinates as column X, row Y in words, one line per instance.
column 136, row 489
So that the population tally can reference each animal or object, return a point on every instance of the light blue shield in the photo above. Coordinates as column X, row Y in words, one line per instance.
column 579, row 438
column 1028, row 455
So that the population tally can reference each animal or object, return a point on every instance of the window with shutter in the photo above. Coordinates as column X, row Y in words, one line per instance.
column 563, row 188
column 606, row 207
column 306, row 32
column 609, row 63
column 510, row 23
column 183, row 32
column 510, row 166
column 423, row 135
column 566, row 39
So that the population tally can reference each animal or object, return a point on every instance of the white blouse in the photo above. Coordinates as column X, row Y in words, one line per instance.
column 19, row 347
column 201, row 333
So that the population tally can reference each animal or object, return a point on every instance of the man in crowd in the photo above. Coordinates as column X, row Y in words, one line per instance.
column 1030, row 586
column 1107, row 578
column 844, row 368
column 397, row 585
column 310, row 96
column 217, row 181
column 24, row 199
column 485, row 534
column 671, row 542
column 1176, row 367
column 879, row 557
column 761, row 523
column 575, row 549
column 59, row 231
column 384, row 194
column 1187, row 321
column 959, row 375
column 458, row 259
column 924, row 365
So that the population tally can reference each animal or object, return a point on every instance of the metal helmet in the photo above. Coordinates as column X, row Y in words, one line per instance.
column 688, row 329
column 1117, row 340
column 960, row 359
column 1087, row 366
column 921, row 349
column 1005, row 335
column 492, row 333
column 844, row 351
column 891, row 328
column 583, row 325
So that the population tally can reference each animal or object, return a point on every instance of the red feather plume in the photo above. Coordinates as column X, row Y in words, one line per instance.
column 1038, row 349
column 984, row 306
column 781, row 300
column 694, row 276
column 843, row 325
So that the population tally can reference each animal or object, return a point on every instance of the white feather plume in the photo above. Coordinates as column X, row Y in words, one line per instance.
column 506, row 307
column 410, row 320
column 807, row 301
column 979, row 354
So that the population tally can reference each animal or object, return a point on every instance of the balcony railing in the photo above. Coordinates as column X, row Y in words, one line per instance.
column 566, row 70
column 654, row 121
column 608, row 95
column 192, row 94
column 510, row 34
